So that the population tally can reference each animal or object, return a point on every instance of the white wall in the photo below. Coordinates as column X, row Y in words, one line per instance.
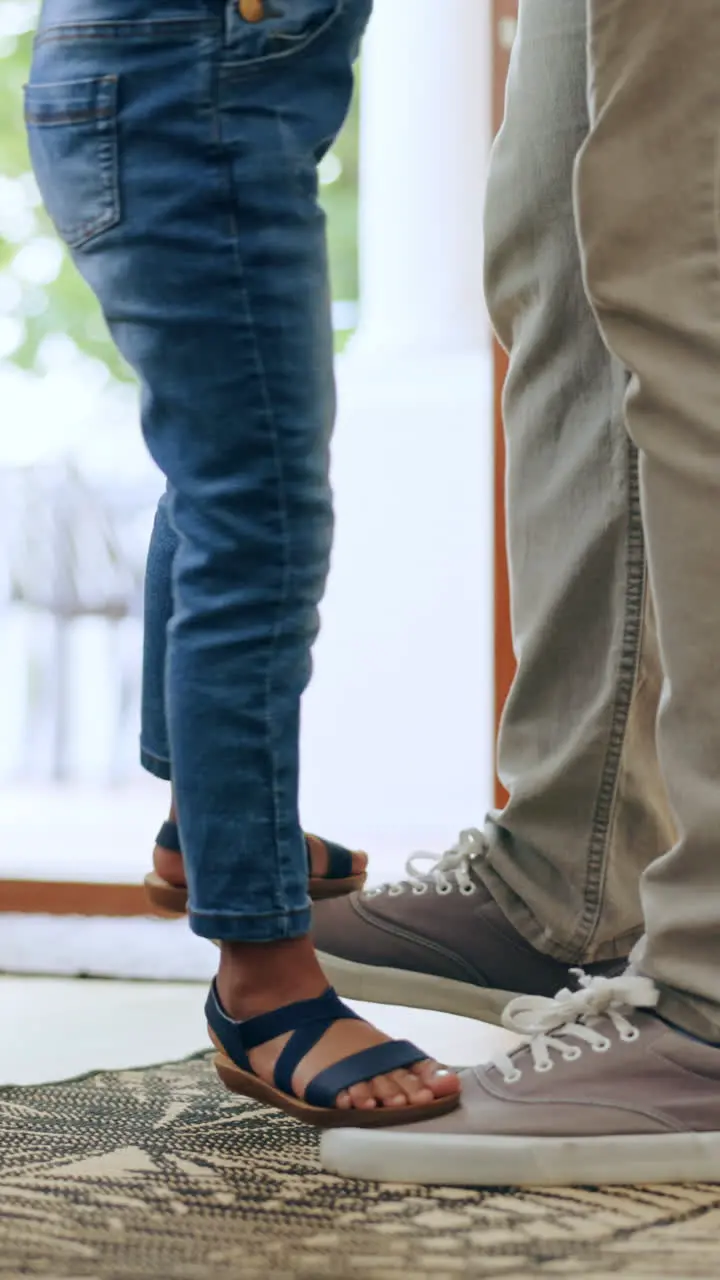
column 398, row 726
column 398, row 739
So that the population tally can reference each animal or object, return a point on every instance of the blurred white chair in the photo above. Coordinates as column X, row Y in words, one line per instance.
column 72, row 550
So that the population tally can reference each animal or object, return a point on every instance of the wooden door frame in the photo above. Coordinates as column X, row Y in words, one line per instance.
column 504, row 18
column 71, row 898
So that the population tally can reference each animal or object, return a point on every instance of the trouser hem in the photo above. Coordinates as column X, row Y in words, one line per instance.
column 224, row 926
column 540, row 936
column 156, row 765
column 683, row 1012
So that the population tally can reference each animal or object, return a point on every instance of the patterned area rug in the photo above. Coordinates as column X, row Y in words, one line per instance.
column 158, row 1174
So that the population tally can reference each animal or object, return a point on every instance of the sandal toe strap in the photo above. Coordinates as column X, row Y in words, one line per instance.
column 339, row 860
column 359, row 1067
column 168, row 837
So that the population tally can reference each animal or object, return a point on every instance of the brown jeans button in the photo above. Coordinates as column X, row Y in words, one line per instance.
column 252, row 10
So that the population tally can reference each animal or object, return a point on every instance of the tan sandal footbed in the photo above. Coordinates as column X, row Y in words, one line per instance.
column 250, row 1086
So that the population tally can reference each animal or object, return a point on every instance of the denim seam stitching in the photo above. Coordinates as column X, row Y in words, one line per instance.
column 628, row 667
column 104, row 118
column 88, row 116
column 144, row 29
column 153, row 755
column 281, row 913
column 282, row 495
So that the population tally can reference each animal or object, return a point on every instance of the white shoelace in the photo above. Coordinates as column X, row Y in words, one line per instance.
column 546, row 1025
column 449, row 871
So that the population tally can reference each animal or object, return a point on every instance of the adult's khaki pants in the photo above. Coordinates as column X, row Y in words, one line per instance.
column 603, row 281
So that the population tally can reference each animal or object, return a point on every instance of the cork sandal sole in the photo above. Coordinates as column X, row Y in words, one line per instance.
column 321, row 887
column 171, row 900
column 250, row 1086
column 167, row 899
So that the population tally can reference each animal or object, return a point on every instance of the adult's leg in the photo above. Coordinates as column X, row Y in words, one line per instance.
column 587, row 809
column 602, row 1089
column 554, row 879
column 647, row 197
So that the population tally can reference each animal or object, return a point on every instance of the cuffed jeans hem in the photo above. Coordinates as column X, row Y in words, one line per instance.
column 221, row 927
column 156, row 765
column 541, row 937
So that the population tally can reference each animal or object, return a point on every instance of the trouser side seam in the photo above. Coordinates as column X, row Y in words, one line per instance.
column 627, row 678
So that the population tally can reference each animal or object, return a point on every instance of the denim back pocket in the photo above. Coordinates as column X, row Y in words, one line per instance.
column 72, row 132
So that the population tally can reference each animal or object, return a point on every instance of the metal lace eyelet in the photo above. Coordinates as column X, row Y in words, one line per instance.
column 542, row 1067
column 395, row 890
column 631, row 1034
column 601, row 1046
column 513, row 1077
column 572, row 1053
column 419, row 890
column 467, row 890
column 444, row 889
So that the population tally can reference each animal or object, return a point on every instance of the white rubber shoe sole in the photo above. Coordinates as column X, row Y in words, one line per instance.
column 370, row 982
column 471, row 1161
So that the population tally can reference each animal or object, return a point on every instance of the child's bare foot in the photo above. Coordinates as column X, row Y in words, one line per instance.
column 257, row 978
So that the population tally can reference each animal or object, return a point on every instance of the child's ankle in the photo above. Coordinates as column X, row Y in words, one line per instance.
column 258, row 977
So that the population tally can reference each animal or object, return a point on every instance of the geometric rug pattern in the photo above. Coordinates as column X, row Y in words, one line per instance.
column 159, row 1174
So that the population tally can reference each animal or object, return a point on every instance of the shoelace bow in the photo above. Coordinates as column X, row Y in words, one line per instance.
column 448, row 870
column 547, row 1024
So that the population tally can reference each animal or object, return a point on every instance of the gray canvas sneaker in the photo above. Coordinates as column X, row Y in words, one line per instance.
column 600, row 1092
column 436, row 940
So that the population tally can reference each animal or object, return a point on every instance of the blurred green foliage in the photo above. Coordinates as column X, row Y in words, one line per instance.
column 36, row 309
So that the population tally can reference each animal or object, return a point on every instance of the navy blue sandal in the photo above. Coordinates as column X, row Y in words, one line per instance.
column 338, row 880
column 308, row 1020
